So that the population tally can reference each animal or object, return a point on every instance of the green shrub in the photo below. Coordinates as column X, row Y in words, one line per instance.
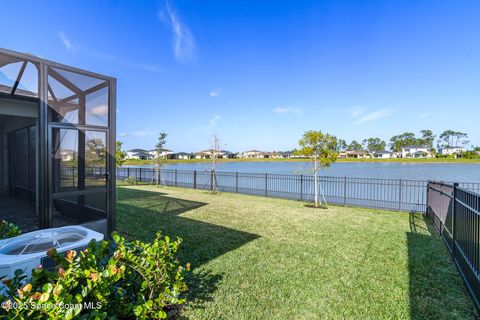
column 8, row 230
column 470, row 155
column 115, row 280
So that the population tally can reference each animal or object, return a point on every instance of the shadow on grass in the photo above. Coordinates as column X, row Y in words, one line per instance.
column 435, row 288
column 141, row 214
column 312, row 206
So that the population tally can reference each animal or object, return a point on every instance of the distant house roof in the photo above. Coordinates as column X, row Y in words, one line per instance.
column 453, row 147
column 137, row 150
column 183, row 153
column 358, row 152
column 420, row 152
column 210, row 151
column 140, row 153
column 382, row 152
column 415, row 147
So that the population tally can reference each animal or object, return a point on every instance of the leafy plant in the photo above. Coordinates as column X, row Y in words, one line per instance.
column 159, row 148
column 115, row 279
column 131, row 180
column 8, row 230
column 158, row 278
column 321, row 148
column 120, row 155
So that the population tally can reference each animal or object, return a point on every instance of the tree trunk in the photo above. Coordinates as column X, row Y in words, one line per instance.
column 214, row 166
column 315, row 181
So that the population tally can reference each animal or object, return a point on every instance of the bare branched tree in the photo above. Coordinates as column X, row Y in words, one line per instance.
column 159, row 158
column 215, row 148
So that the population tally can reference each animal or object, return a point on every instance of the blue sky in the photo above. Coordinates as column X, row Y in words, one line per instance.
column 260, row 73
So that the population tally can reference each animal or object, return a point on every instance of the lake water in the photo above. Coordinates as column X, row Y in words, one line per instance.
column 464, row 172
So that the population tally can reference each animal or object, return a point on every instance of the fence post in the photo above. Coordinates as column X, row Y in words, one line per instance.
column 344, row 191
column 266, row 184
column 194, row 179
column 236, row 182
column 140, row 179
column 400, row 194
column 454, row 218
column 301, row 187
column 128, row 172
column 426, row 201
column 73, row 176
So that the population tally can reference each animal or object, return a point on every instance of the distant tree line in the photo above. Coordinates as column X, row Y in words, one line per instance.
column 426, row 138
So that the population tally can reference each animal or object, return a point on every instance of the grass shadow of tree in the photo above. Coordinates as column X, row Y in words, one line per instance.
column 141, row 214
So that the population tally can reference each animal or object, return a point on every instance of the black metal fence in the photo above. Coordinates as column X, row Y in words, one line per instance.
column 394, row 194
column 456, row 215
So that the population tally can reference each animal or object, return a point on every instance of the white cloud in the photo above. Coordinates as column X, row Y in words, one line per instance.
column 66, row 42
column 424, row 115
column 183, row 42
column 215, row 93
column 208, row 127
column 213, row 122
column 101, row 110
column 113, row 59
column 355, row 111
column 105, row 56
column 281, row 110
column 379, row 114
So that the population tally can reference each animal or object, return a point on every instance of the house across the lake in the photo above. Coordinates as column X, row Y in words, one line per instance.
column 228, row 154
column 164, row 154
column 180, row 156
column 205, row 154
column 220, row 154
column 355, row 154
column 57, row 144
column 382, row 154
column 255, row 154
column 282, row 154
column 416, row 152
column 139, row 154
column 448, row 151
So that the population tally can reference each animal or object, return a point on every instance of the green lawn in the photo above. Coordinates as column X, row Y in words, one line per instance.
column 260, row 258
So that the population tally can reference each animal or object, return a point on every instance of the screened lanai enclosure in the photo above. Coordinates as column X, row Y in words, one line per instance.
column 57, row 144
